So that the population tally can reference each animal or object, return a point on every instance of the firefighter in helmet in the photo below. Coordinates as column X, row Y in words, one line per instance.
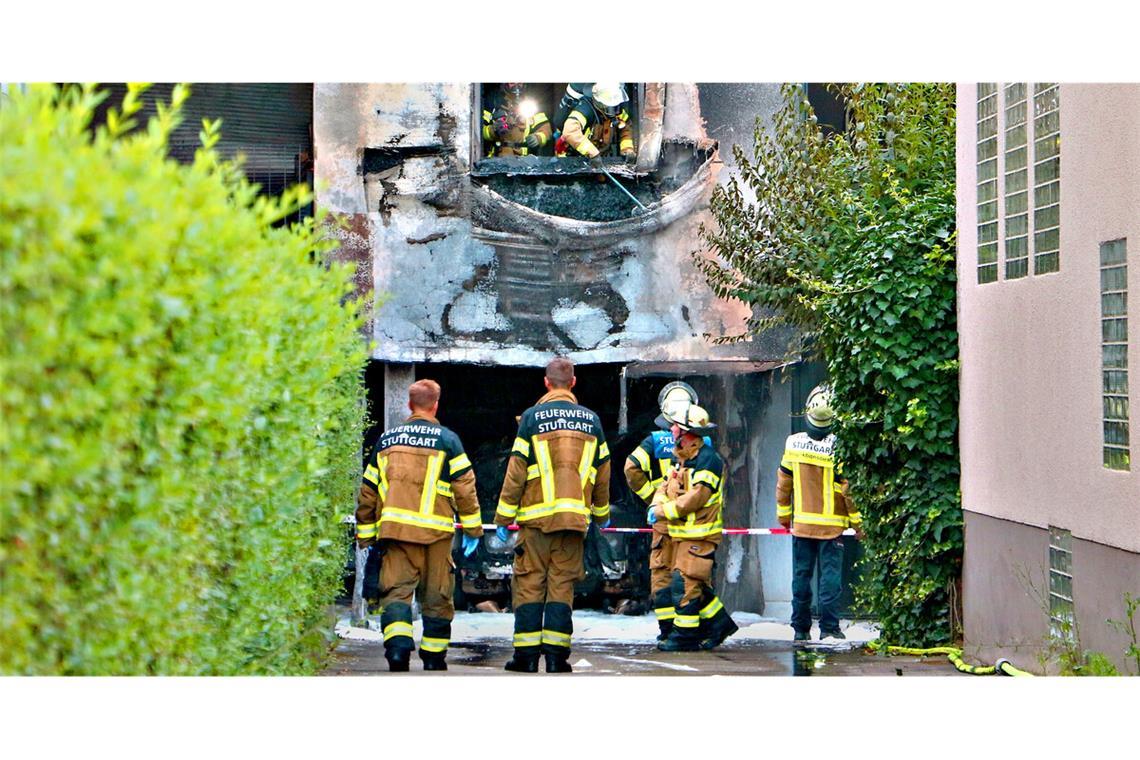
column 811, row 499
column 690, row 500
column 514, row 123
column 645, row 470
column 596, row 122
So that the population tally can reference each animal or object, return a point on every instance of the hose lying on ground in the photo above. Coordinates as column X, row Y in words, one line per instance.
column 1002, row 666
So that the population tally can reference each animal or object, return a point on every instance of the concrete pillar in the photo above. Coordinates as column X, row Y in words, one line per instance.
column 397, row 378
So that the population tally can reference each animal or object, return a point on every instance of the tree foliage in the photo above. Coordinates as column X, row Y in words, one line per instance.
column 849, row 237
column 180, row 399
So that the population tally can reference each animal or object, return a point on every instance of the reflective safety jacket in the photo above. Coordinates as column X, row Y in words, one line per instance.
column 810, row 495
column 696, row 510
column 649, row 463
column 512, row 142
column 558, row 475
column 417, row 479
column 591, row 133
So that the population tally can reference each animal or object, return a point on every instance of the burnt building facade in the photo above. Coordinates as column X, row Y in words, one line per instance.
column 483, row 268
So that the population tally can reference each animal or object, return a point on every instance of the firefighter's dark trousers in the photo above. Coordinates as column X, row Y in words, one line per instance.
column 661, row 576
column 542, row 589
column 424, row 571
column 699, row 611
column 805, row 553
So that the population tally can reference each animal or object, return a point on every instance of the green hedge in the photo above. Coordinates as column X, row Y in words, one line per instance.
column 181, row 404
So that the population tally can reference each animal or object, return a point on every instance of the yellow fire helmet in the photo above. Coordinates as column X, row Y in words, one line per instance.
column 818, row 408
column 694, row 419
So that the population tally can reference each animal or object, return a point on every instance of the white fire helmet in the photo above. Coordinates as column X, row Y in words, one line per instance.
column 674, row 397
column 818, row 408
column 608, row 97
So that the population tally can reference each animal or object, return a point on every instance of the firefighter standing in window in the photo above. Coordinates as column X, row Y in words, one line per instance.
column 691, row 499
column 645, row 471
column 418, row 477
column 596, row 122
column 558, row 477
column 514, row 124
column 812, row 499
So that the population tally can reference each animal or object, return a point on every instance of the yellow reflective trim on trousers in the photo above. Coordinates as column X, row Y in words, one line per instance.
column 639, row 456
column 585, row 464
column 507, row 510
column 399, row 628
column 431, row 479
column 535, row 511
column 416, row 519
column 665, row 613
column 458, row 463
column 471, row 521
column 646, row 491
column 531, row 639
column 555, row 637
column 522, row 447
column 545, row 470
column 687, row 621
column 372, row 475
column 712, row 608
column 433, row 645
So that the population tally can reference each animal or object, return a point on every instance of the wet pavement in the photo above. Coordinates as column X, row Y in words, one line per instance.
column 627, row 649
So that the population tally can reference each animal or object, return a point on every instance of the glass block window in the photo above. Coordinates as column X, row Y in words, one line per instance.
column 1046, row 177
column 1062, row 622
column 1016, row 182
column 1114, row 352
column 987, row 182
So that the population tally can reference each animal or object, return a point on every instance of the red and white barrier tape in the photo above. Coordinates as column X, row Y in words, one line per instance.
column 726, row 531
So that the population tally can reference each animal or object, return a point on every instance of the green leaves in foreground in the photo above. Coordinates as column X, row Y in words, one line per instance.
column 850, row 238
column 180, row 399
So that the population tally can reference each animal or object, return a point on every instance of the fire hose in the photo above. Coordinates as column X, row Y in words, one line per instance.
column 1001, row 667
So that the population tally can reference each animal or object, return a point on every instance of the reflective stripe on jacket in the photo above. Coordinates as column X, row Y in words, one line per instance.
column 558, row 475
column 418, row 478
column 809, row 495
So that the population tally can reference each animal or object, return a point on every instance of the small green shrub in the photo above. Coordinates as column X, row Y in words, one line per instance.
column 181, row 403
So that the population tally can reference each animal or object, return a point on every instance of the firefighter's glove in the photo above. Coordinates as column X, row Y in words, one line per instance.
column 533, row 141
column 650, row 517
column 502, row 533
column 470, row 544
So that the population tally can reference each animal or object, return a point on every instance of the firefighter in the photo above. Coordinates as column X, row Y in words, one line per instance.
column 558, row 477
column 811, row 498
column 598, row 120
column 645, row 471
column 513, row 124
column 417, row 478
column 691, row 499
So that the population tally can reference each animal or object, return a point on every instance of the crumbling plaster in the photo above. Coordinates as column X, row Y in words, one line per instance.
column 441, row 247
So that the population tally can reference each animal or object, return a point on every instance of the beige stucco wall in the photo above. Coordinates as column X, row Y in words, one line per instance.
column 1031, row 409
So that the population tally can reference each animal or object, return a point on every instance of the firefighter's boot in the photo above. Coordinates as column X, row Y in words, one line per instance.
column 434, row 660
column 525, row 662
column 666, row 627
column 398, row 659
column 720, row 628
column 558, row 663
